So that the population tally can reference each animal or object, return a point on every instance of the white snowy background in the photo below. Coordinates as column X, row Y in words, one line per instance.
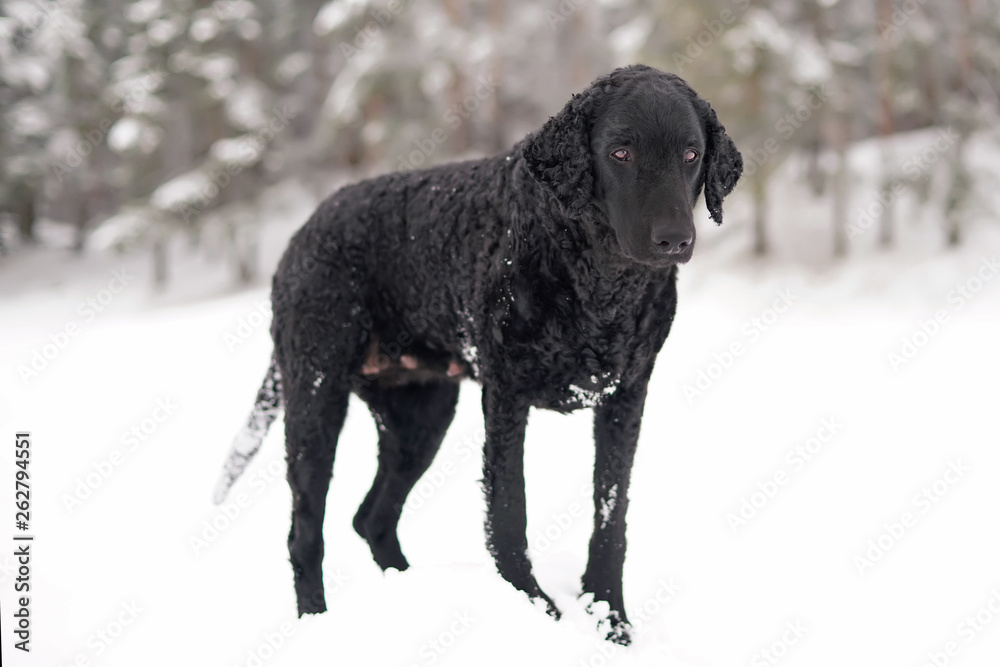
column 133, row 565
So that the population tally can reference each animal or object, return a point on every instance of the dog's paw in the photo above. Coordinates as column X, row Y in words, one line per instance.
column 543, row 601
column 313, row 602
column 614, row 626
column 311, row 609
column 615, row 629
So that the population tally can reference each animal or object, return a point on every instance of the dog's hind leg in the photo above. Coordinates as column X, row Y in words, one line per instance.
column 412, row 420
column 315, row 409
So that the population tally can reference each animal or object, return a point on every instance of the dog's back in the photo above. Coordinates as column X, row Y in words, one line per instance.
column 408, row 245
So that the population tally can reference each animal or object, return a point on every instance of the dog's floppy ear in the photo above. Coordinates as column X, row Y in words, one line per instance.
column 723, row 162
column 558, row 155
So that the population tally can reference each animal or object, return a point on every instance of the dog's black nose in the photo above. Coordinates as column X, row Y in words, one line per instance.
column 671, row 240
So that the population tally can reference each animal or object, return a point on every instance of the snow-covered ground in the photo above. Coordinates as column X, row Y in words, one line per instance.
column 801, row 495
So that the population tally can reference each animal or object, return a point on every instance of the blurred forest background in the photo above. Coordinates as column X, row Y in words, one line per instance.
column 135, row 124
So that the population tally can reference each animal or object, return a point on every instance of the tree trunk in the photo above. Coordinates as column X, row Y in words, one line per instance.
column 835, row 131
column 160, row 273
column 960, row 188
column 79, row 213
column 498, row 134
column 814, row 172
column 963, row 42
column 837, row 139
column 243, row 239
column 886, row 122
column 80, row 231
column 23, row 208
column 954, row 232
column 959, row 191
column 761, row 177
column 761, row 244
column 459, row 140
column 582, row 67
column 932, row 76
column 840, row 193
column 247, row 257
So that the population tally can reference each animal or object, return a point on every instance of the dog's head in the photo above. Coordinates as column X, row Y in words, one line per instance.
column 636, row 149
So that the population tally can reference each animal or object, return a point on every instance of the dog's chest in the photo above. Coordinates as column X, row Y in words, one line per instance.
column 568, row 348
column 569, row 365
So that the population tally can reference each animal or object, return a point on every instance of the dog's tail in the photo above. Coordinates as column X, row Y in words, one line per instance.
column 247, row 441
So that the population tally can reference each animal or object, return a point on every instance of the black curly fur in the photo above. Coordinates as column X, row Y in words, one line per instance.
column 511, row 270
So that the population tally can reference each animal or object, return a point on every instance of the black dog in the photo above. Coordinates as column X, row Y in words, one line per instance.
column 546, row 273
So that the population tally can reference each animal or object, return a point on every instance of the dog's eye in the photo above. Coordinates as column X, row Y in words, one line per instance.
column 622, row 155
column 690, row 155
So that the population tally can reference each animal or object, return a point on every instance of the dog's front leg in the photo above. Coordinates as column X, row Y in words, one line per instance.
column 616, row 431
column 503, row 479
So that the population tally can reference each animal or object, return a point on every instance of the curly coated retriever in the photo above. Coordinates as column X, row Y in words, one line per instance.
column 546, row 273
